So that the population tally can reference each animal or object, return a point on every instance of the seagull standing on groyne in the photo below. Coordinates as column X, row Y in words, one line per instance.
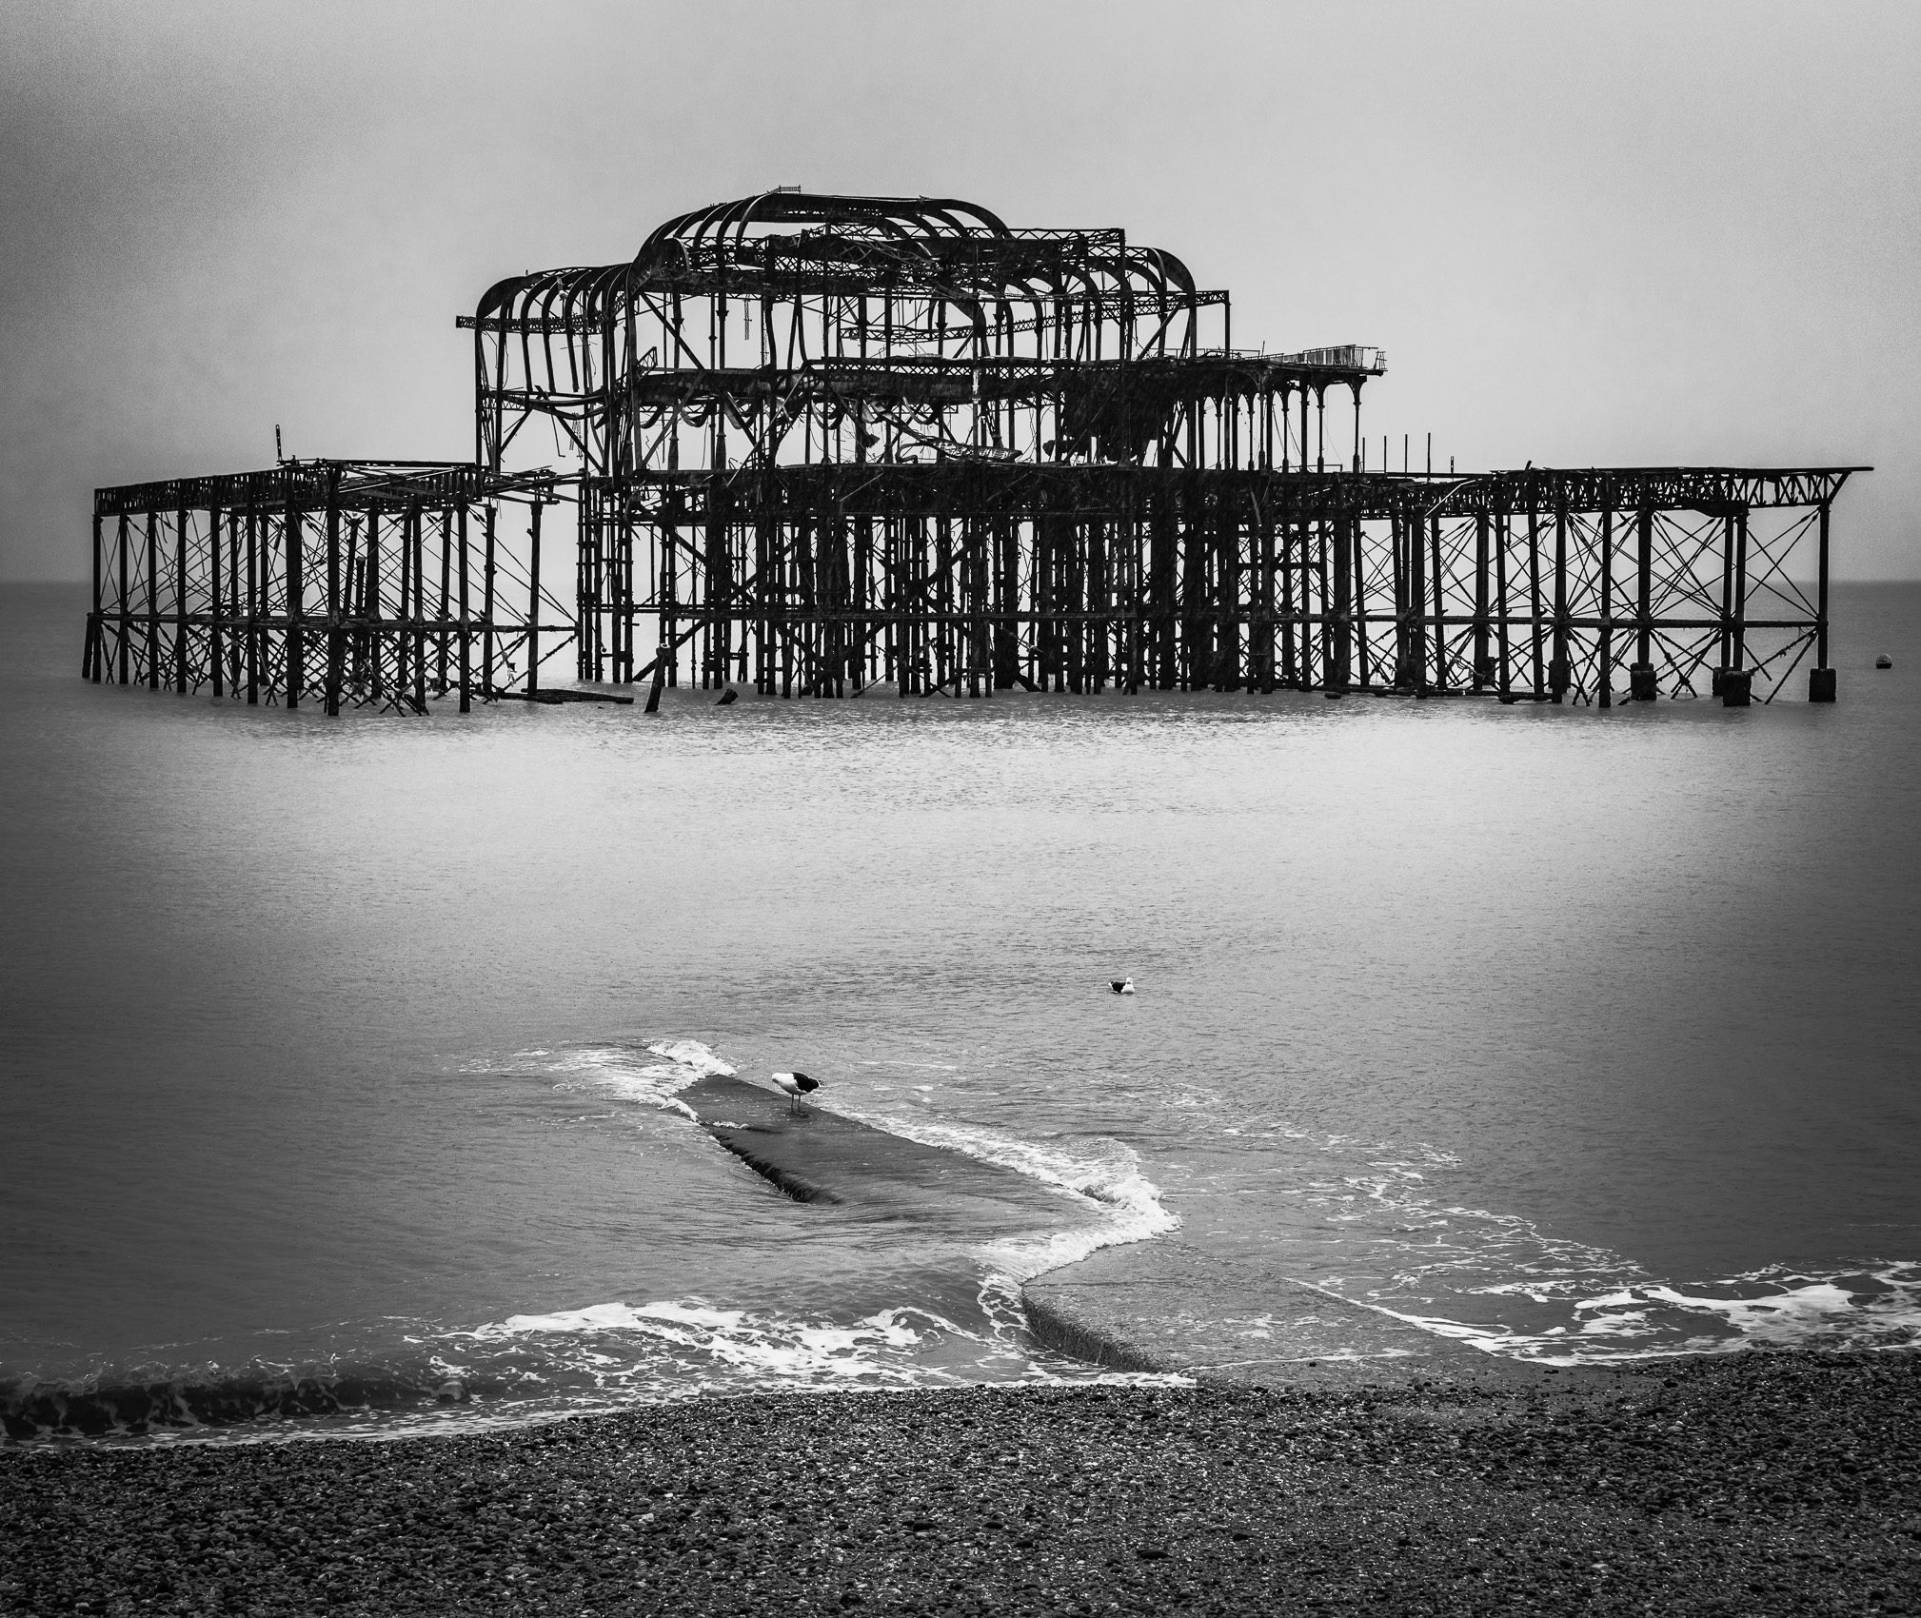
column 793, row 1086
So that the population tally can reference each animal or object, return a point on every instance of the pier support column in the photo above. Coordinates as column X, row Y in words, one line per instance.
column 1604, row 653
column 1560, row 674
column 1484, row 672
column 90, row 660
column 533, row 597
column 1821, row 676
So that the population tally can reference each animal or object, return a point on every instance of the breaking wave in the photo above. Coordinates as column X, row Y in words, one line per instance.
column 537, row 1367
column 1381, row 1231
column 619, row 1072
column 1574, row 1322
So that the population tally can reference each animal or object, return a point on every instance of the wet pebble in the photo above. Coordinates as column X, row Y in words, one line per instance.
column 1763, row 1483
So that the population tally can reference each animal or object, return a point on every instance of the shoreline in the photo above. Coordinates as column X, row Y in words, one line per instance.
column 1767, row 1481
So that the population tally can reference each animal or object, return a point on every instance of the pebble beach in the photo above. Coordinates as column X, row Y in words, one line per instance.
column 1761, row 1482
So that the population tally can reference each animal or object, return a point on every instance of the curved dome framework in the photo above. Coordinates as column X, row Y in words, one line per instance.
column 789, row 328
column 827, row 444
column 712, row 395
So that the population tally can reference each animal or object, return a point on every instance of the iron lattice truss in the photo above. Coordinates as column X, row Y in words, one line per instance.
column 369, row 583
column 827, row 445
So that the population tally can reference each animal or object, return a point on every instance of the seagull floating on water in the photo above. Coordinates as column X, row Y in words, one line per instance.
column 793, row 1086
column 1121, row 985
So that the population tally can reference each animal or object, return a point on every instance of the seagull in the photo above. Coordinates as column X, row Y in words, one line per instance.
column 793, row 1086
column 1121, row 985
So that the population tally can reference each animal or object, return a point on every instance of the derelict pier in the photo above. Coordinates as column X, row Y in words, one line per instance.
column 828, row 446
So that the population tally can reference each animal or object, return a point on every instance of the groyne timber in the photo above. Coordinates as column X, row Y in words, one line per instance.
column 829, row 446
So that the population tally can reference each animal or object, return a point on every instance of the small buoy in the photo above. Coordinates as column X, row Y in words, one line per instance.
column 1884, row 661
column 1121, row 985
column 452, row 1392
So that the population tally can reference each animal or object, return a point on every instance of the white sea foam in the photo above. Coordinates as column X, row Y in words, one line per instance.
column 1875, row 1306
column 617, row 1353
column 639, row 1341
column 1101, row 1177
column 692, row 1055
column 1407, row 1249
column 619, row 1071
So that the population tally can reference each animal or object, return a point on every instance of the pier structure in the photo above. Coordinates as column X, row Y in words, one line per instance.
column 349, row 584
column 825, row 446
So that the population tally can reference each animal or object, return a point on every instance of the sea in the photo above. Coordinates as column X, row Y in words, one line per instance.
column 338, row 1058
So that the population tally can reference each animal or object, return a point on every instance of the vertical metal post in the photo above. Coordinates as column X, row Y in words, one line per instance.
column 1739, row 648
column 1292, row 550
column 1404, row 663
column 234, row 614
column 353, row 639
column 488, row 562
column 1644, row 587
column 1338, row 674
column 466, row 623
column 180, row 599
column 1440, row 602
column 1604, row 669
column 443, row 603
column 153, row 600
column 90, row 662
column 1362, row 652
column 215, row 641
column 533, row 596
column 1727, row 652
column 1505, row 673
column 1481, row 581
column 1414, row 534
column 583, row 592
column 255, row 588
column 1821, row 676
column 1821, row 595
column 372, row 609
column 1560, row 668
column 1323, row 599
column 1534, row 588
column 126, row 626
column 336, row 631
column 417, row 549
column 296, row 590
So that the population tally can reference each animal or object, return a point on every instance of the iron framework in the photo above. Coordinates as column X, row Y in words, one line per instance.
column 827, row 445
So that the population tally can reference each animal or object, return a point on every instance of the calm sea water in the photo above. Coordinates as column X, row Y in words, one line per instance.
column 342, row 1046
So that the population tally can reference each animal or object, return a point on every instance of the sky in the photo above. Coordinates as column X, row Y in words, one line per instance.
column 1626, row 234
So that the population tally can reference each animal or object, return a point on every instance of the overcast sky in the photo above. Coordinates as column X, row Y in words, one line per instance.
column 1586, row 235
